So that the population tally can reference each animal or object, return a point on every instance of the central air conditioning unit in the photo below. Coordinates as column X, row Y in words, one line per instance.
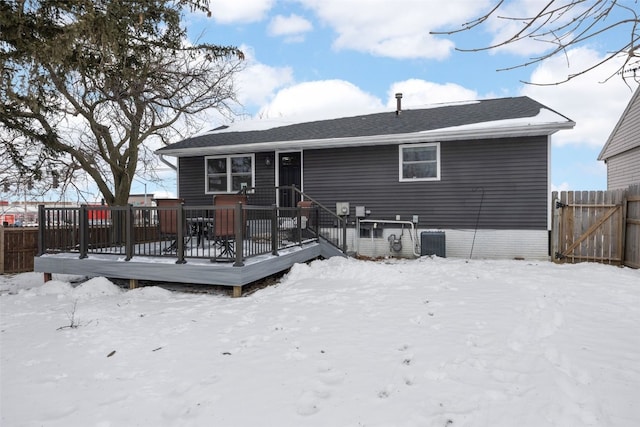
column 433, row 243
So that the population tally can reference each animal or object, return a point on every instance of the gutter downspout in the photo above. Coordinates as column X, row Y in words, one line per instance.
column 167, row 162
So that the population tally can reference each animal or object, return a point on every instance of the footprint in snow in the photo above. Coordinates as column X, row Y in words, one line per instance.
column 307, row 404
column 549, row 326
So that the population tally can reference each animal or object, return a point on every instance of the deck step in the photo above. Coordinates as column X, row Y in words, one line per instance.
column 328, row 250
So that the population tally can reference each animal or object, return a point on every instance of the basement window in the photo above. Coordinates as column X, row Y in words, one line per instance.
column 420, row 162
column 369, row 230
column 229, row 174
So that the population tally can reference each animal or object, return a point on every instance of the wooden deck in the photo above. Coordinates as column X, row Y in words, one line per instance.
column 194, row 271
column 222, row 245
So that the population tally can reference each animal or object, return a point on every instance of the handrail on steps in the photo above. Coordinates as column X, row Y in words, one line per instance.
column 341, row 241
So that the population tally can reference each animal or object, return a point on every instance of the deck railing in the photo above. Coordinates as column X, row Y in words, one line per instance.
column 137, row 231
column 322, row 221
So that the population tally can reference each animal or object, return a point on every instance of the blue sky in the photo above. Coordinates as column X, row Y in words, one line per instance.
column 342, row 57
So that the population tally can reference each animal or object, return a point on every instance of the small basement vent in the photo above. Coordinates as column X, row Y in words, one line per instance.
column 433, row 243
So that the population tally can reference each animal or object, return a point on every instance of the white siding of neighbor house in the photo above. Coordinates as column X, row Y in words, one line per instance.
column 489, row 244
column 622, row 150
column 627, row 134
column 624, row 169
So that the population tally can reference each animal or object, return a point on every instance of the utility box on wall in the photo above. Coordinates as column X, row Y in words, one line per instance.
column 342, row 208
column 433, row 243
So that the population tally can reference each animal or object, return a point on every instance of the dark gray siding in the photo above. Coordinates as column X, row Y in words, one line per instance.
column 512, row 173
column 191, row 185
column 191, row 181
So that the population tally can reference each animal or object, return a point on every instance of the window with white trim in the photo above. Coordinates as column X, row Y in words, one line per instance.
column 229, row 174
column 420, row 162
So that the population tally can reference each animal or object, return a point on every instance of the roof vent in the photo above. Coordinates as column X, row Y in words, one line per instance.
column 398, row 103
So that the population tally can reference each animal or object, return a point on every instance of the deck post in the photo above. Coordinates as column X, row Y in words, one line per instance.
column 133, row 283
column 299, row 224
column 83, row 231
column 48, row 277
column 180, row 234
column 237, row 292
column 316, row 222
column 239, row 235
column 129, row 232
column 42, row 225
column 274, row 230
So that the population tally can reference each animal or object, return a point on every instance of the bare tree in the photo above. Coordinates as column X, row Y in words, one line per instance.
column 87, row 85
column 565, row 24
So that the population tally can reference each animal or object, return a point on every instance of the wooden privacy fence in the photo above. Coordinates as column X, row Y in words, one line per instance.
column 18, row 246
column 599, row 226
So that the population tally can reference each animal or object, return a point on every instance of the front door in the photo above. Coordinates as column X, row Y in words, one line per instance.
column 289, row 174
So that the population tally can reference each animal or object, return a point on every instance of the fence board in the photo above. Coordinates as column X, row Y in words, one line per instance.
column 606, row 231
column 598, row 240
column 632, row 241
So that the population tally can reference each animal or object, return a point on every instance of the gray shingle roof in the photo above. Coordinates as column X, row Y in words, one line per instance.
column 387, row 123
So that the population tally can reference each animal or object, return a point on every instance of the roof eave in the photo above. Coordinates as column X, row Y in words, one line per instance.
column 604, row 155
column 452, row 134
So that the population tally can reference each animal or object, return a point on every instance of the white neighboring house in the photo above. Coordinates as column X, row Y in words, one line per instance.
column 621, row 153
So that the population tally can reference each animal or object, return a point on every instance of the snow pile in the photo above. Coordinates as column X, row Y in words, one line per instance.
column 428, row 342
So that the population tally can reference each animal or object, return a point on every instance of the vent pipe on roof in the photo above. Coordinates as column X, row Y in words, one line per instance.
column 398, row 103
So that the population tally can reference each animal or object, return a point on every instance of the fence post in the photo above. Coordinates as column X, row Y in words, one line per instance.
column 553, row 238
column 274, row 230
column 180, row 234
column 83, row 224
column 239, row 235
column 42, row 225
column 129, row 233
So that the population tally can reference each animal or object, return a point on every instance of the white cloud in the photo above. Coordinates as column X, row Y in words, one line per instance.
column 234, row 11
column 594, row 106
column 257, row 83
column 320, row 100
column 326, row 99
column 292, row 26
column 565, row 186
column 416, row 93
column 505, row 28
column 397, row 29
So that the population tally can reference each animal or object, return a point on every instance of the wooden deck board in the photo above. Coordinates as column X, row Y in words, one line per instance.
column 196, row 271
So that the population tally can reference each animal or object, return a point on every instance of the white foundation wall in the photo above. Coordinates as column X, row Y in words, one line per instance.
column 488, row 244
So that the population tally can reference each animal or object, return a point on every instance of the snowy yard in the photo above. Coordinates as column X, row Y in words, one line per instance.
column 342, row 342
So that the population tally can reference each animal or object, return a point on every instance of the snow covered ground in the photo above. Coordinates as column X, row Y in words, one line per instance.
column 342, row 342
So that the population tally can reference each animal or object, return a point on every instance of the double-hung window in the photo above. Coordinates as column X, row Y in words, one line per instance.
column 229, row 174
column 420, row 162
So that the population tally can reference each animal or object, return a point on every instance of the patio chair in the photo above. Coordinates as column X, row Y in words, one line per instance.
column 168, row 221
column 224, row 222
